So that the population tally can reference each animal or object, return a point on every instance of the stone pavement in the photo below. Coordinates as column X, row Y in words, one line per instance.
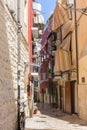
column 51, row 119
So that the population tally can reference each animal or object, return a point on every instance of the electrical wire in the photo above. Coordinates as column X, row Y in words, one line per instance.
column 83, row 10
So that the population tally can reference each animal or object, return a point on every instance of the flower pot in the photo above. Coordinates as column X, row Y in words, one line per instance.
column 35, row 111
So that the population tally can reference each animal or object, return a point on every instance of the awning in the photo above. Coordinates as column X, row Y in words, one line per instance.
column 62, row 61
column 62, row 1
column 39, row 19
column 67, row 60
column 66, row 28
column 66, row 43
column 62, row 57
column 60, row 66
column 35, row 32
column 60, row 16
column 57, row 62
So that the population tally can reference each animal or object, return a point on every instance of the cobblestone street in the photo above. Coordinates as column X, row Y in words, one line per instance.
column 52, row 119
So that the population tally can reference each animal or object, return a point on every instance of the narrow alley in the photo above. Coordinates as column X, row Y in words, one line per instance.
column 48, row 118
column 43, row 65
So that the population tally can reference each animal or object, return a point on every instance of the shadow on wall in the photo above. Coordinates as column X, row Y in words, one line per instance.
column 7, row 102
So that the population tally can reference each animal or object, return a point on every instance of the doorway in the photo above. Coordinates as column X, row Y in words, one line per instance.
column 61, row 97
column 72, row 85
column 70, row 97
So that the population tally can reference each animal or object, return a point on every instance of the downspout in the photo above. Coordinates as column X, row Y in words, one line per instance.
column 30, row 23
column 18, row 65
column 76, row 42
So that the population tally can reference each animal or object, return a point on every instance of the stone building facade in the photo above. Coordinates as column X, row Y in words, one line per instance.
column 82, row 62
column 8, row 68
column 72, row 90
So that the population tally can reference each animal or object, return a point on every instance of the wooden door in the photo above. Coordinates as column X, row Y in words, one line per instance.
column 67, row 97
column 72, row 84
column 70, row 97
column 61, row 97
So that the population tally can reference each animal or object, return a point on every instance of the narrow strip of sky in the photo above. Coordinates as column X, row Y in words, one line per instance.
column 47, row 7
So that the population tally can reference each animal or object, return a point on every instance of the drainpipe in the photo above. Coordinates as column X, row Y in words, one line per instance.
column 76, row 40
column 30, row 24
column 18, row 65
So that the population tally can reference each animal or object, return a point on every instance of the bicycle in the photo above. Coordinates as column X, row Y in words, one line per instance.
column 22, row 116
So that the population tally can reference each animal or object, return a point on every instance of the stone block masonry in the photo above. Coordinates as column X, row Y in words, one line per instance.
column 8, row 69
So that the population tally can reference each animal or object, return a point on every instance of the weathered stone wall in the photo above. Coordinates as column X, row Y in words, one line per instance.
column 8, row 69
column 82, row 101
column 12, row 6
column 82, row 59
column 82, row 88
column 82, row 47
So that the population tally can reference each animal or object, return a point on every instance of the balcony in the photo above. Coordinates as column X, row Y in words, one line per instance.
column 35, row 32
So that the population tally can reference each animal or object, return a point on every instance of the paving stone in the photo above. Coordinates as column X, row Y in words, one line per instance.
column 47, row 120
